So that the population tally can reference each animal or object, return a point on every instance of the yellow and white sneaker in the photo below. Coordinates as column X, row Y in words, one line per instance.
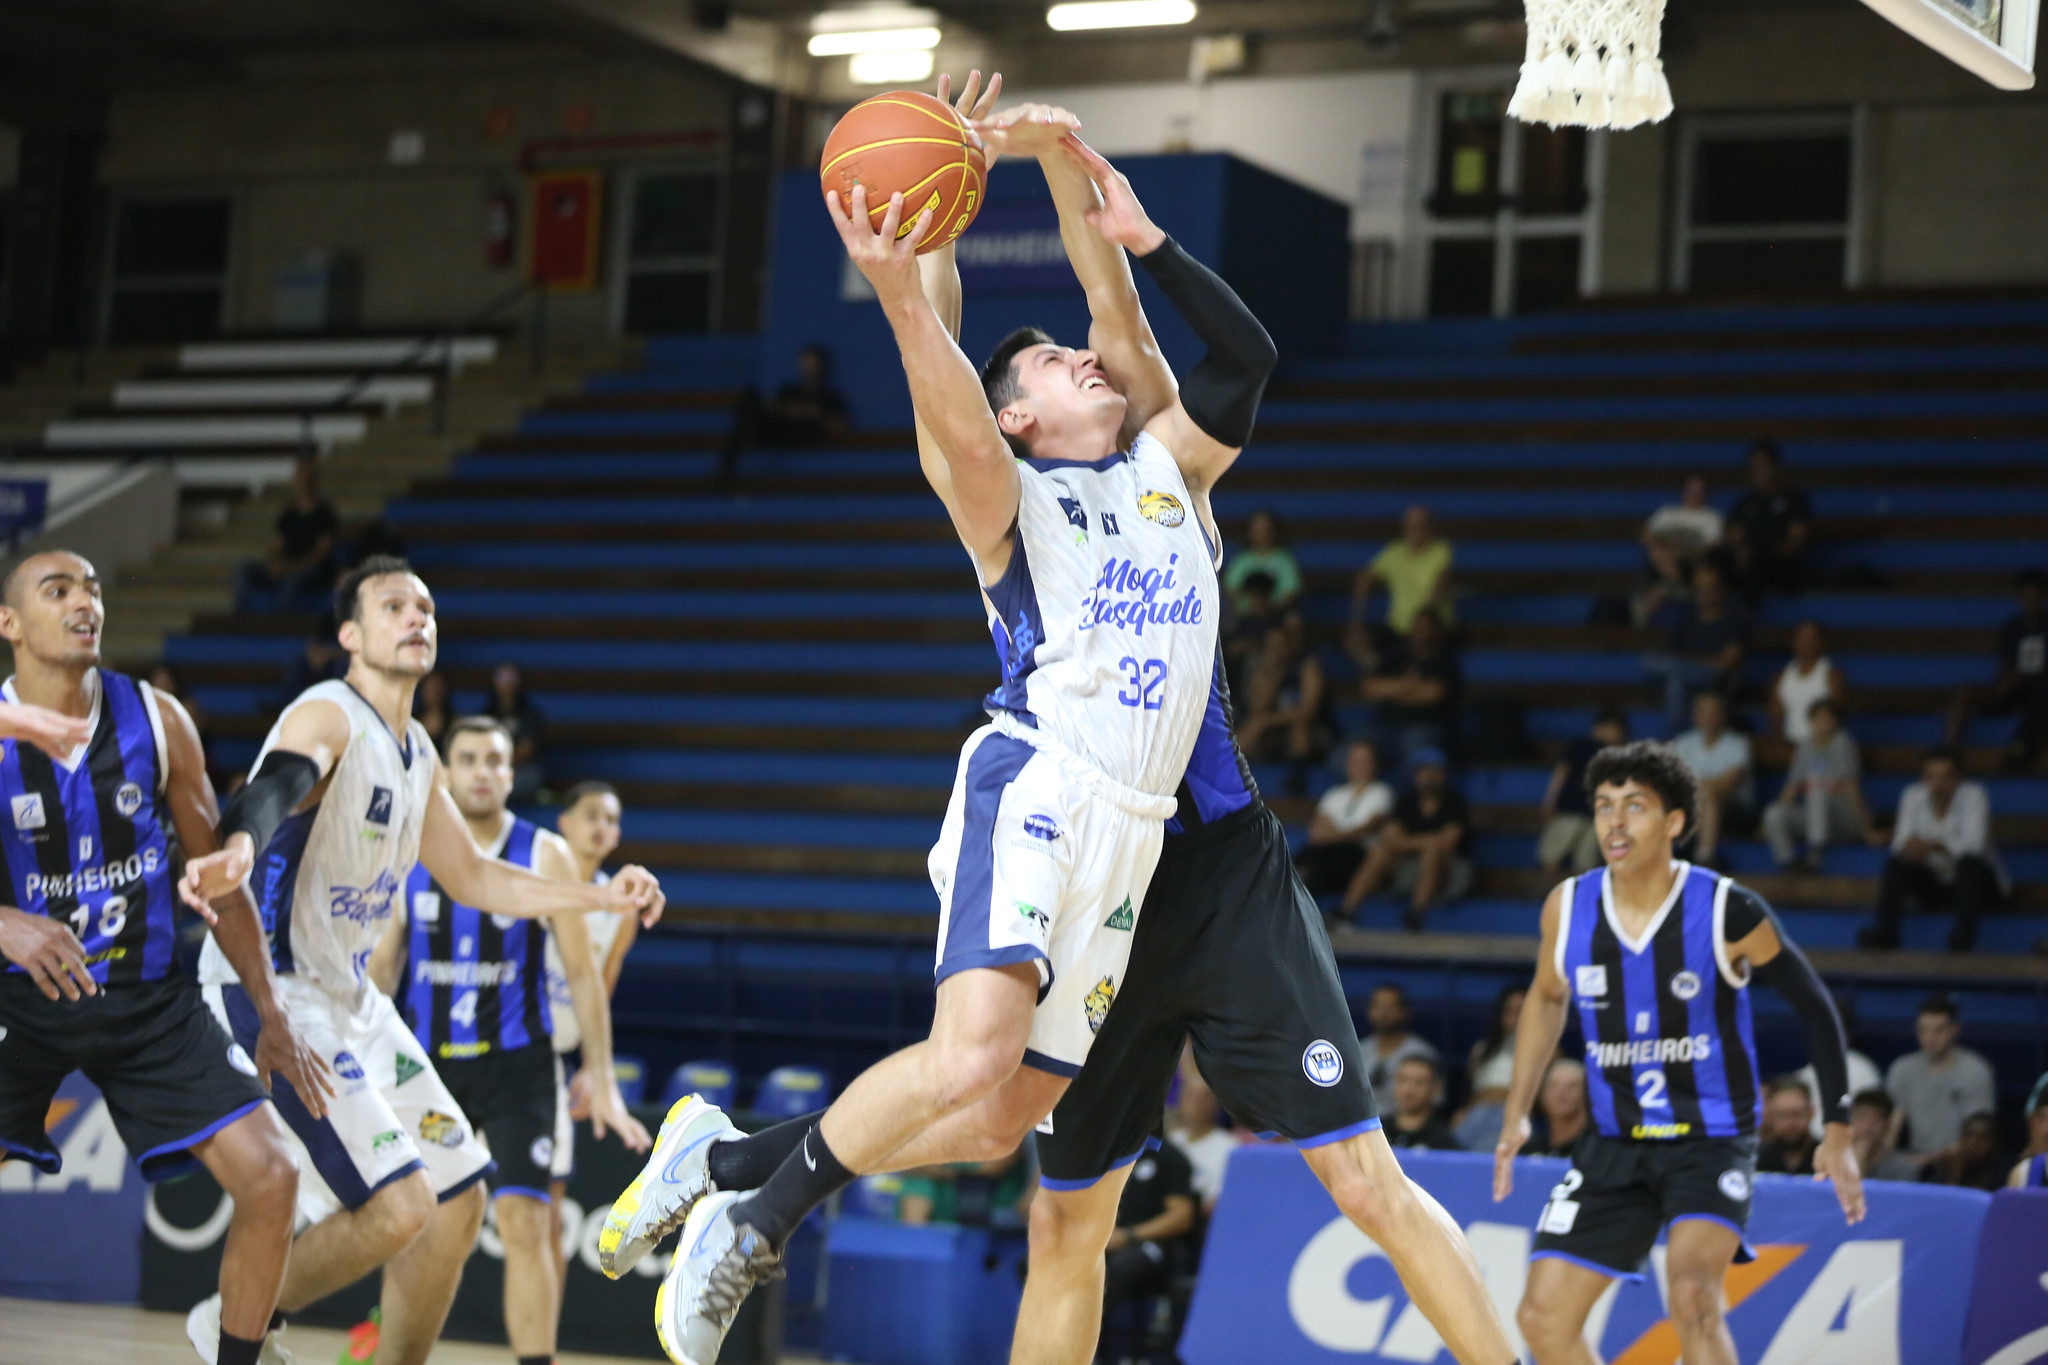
column 202, row 1329
column 676, row 1176
column 716, row 1265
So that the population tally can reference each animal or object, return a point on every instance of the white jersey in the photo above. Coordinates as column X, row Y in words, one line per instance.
column 1106, row 619
column 327, row 882
column 603, row 928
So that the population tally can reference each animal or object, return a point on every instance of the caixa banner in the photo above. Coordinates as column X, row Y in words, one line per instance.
column 87, row 1218
column 1288, row 1281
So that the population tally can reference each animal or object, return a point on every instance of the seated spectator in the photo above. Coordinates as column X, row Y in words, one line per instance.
column 1487, row 1072
column 1720, row 758
column 2021, row 688
column 1562, row 1106
column 1287, row 703
column 510, row 706
column 1415, row 1122
column 973, row 1194
column 1704, row 640
column 1823, row 795
column 1348, row 818
column 1940, row 1085
column 1422, row 849
column 1249, row 620
column 1265, row 552
column 1679, row 533
column 2030, row 1172
column 1568, row 843
column 1388, row 1016
column 1194, row 1126
column 1154, row 1237
column 1942, row 856
column 1416, row 572
column 1786, row 1143
column 1870, row 1134
column 1414, row 690
column 1770, row 527
column 1810, row 676
column 1863, row 1073
column 1973, row 1161
column 807, row 411
column 299, row 563
column 431, row 707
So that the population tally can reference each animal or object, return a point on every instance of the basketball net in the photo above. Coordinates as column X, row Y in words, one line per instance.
column 1593, row 64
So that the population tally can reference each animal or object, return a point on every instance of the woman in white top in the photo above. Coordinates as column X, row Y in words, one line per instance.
column 1489, row 1069
column 1678, row 533
column 1810, row 676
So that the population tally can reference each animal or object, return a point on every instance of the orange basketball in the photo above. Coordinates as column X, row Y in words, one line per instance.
column 913, row 144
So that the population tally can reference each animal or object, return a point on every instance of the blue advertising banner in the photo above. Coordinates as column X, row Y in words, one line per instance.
column 87, row 1218
column 23, row 504
column 1288, row 1280
column 2009, row 1303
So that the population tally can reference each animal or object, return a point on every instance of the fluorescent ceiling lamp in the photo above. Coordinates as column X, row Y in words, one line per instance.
column 879, row 40
column 889, row 68
column 869, row 17
column 1085, row 14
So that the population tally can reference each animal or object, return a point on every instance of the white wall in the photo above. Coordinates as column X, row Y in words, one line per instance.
column 1345, row 135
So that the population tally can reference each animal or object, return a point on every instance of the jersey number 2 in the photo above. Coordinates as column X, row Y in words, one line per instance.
column 1146, row 682
column 1650, row 1086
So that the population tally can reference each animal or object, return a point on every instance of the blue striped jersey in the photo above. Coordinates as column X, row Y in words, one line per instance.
column 1218, row 781
column 88, row 841
column 1670, row 1048
column 474, row 982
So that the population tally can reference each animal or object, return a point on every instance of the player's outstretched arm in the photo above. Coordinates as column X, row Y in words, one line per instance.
column 552, row 859
column 944, row 388
column 55, row 733
column 1536, row 1035
column 310, row 741
column 237, row 928
column 497, row 887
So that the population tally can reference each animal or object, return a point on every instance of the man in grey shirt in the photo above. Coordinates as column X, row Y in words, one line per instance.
column 1823, row 794
column 1390, row 1041
column 1942, row 1084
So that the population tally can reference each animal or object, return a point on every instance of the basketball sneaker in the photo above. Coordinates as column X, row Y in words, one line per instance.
column 716, row 1265
column 202, row 1329
column 676, row 1176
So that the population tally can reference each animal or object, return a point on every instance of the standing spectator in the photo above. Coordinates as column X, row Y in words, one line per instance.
column 1679, row 533
column 1870, row 1133
column 1348, row 818
column 2022, row 685
column 1942, row 855
column 1488, row 1071
column 299, row 564
column 1942, row 1084
column 1786, row 1142
column 1810, row 676
column 1770, row 527
column 1422, row 847
column 807, row 411
column 1194, row 1126
column 1414, row 690
column 1568, row 842
column 512, row 708
column 2031, row 1170
column 432, row 708
column 1972, row 1161
column 1720, row 758
column 1266, row 552
column 1155, row 1225
column 1823, row 795
column 1416, row 572
column 1387, row 1012
column 1415, row 1122
column 1567, row 1115
column 1704, row 640
column 1287, row 709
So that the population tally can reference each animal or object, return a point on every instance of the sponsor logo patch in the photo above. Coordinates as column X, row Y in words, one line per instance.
column 28, row 811
column 386, row 1139
column 542, row 1152
column 1097, row 1002
column 1035, row 916
column 347, row 1067
column 1685, row 985
column 1122, row 917
column 403, row 1069
column 1042, row 827
column 239, row 1060
column 426, row 907
column 1163, row 508
column 1735, row 1185
column 1322, row 1063
column 1592, row 980
column 440, row 1129
column 128, row 798
column 380, row 806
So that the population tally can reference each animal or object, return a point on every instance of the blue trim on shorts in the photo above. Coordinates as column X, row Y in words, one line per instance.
column 523, row 1192
column 1632, row 1276
column 459, row 1186
column 331, row 1157
column 1744, row 1252
column 1371, row 1125
column 154, row 1170
column 401, row 1173
column 1011, row 956
column 1038, row 1061
column 1152, row 1144
column 994, row 764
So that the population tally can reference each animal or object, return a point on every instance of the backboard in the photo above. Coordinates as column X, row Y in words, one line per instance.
column 1993, row 38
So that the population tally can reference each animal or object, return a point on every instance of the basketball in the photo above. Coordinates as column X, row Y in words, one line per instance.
column 913, row 144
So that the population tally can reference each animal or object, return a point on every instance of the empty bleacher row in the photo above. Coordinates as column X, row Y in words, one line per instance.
column 778, row 673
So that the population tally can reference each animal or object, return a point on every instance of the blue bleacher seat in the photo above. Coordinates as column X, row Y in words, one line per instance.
column 631, row 1074
column 792, row 1090
column 712, row 1080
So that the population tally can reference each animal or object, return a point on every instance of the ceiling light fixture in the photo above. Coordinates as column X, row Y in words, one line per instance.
column 875, row 40
column 889, row 68
column 1093, row 14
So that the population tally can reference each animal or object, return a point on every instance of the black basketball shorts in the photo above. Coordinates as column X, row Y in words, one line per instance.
column 172, row 1077
column 1607, row 1211
column 1230, row 949
column 510, row 1098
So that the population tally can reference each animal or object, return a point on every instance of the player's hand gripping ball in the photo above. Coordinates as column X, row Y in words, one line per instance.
column 909, row 144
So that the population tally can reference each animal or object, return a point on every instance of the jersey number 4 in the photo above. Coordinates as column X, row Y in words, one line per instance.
column 1145, row 682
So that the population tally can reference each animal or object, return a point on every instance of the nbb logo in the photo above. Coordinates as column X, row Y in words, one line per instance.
column 1848, row 1314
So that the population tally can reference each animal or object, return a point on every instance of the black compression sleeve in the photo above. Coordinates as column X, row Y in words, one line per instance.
column 1793, row 978
column 1222, row 394
column 277, row 786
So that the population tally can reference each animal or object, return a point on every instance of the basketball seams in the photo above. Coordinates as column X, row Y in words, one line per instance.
column 950, row 118
column 947, row 210
column 826, row 169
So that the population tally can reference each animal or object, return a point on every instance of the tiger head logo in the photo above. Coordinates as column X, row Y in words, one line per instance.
column 1098, row 1001
column 1163, row 508
column 441, row 1129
